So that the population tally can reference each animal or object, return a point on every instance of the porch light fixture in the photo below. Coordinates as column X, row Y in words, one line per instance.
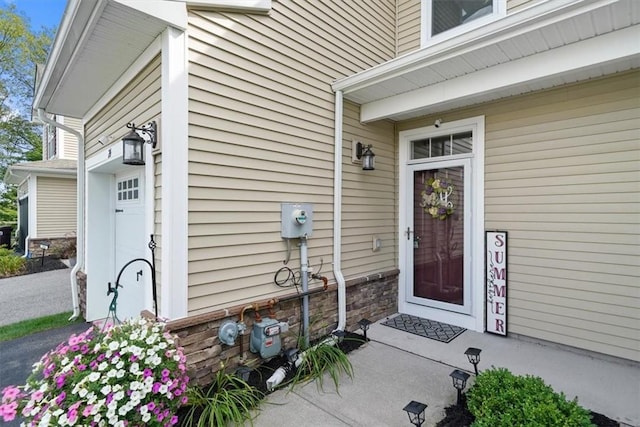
column 364, row 325
column 473, row 354
column 415, row 411
column 364, row 153
column 459, row 381
column 133, row 143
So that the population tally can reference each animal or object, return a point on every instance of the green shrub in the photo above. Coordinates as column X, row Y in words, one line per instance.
column 10, row 263
column 500, row 399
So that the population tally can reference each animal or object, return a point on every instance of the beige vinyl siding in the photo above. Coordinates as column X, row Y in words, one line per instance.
column 517, row 5
column 69, row 141
column 368, row 207
column 56, row 202
column 409, row 12
column 139, row 102
column 261, row 132
column 562, row 173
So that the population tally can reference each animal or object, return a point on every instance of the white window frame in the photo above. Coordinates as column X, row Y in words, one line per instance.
column 499, row 11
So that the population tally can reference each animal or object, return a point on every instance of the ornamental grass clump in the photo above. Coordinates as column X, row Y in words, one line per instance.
column 129, row 375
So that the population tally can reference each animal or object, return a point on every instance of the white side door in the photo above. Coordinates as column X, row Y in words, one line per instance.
column 130, row 243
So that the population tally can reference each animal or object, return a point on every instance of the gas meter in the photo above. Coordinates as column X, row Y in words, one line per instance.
column 296, row 220
column 265, row 338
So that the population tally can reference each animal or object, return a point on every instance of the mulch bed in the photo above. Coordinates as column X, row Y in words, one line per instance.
column 457, row 415
column 40, row 264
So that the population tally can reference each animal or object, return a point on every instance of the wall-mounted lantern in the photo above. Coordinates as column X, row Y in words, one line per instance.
column 133, row 143
column 364, row 154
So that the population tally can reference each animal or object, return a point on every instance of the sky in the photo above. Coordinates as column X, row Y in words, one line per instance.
column 41, row 13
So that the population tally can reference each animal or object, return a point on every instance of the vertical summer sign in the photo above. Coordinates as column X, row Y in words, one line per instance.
column 496, row 277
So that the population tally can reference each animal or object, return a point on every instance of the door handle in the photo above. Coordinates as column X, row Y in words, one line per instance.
column 119, row 210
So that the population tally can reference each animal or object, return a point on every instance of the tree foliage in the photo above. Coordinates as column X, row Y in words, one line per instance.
column 20, row 50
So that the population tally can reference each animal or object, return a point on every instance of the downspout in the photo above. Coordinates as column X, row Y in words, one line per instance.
column 337, row 214
column 80, row 209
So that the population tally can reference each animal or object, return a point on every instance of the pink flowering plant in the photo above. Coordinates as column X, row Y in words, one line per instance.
column 132, row 374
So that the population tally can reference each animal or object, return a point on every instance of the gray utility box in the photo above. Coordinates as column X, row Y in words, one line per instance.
column 296, row 220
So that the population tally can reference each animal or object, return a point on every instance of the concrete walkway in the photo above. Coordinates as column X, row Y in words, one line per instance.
column 397, row 367
column 35, row 295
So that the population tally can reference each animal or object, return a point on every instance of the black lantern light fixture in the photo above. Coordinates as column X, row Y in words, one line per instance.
column 459, row 381
column 133, row 143
column 364, row 325
column 364, row 153
column 473, row 354
column 415, row 411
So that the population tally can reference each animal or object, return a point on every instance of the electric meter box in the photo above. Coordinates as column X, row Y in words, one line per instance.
column 296, row 219
column 265, row 338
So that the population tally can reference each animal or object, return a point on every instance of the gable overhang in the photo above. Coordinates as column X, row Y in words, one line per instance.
column 96, row 42
column 17, row 173
column 551, row 44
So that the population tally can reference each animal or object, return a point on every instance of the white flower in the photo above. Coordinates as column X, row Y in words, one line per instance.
column 114, row 345
column 102, row 366
column 146, row 417
column 106, row 389
column 94, row 376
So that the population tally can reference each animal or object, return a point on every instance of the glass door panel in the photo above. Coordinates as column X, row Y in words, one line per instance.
column 439, row 231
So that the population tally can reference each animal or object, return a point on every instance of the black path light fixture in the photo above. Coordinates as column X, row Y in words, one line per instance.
column 364, row 325
column 473, row 354
column 415, row 411
column 133, row 143
column 365, row 154
column 459, row 381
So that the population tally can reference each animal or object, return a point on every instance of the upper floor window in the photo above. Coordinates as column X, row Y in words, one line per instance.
column 443, row 19
column 52, row 142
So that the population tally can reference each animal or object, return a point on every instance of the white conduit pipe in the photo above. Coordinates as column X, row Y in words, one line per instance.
column 337, row 214
column 280, row 373
column 80, row 209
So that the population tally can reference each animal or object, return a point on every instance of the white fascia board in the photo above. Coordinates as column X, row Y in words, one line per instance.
column 255, row 6
column 527, row 20
column 611, row 47
column 174, row 13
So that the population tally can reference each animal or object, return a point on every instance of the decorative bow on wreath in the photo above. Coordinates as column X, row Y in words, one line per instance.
column 435, row 198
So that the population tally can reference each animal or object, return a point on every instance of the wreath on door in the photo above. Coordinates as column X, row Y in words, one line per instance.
column 436, row 198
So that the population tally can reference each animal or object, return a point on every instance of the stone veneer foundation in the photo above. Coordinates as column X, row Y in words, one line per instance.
column 372, row 297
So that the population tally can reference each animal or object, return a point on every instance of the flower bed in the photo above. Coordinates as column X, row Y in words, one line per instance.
column 129, row 374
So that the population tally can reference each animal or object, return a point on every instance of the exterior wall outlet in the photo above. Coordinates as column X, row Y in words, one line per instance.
column 376, row 243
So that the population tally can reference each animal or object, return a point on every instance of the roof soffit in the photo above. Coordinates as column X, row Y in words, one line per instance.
column 518, row 36
column 96, row 43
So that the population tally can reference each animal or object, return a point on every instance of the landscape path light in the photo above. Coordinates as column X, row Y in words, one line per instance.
column 364, row 325
column 415, row 410
column 473, row 354
column 459, row 381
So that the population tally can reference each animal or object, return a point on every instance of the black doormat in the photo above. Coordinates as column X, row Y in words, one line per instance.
column 424, row 327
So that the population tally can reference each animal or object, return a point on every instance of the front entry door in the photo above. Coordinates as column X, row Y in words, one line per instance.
column 130, row 243
column 438, row 236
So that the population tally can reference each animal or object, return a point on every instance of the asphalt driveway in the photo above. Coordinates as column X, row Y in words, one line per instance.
column 35, row 295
